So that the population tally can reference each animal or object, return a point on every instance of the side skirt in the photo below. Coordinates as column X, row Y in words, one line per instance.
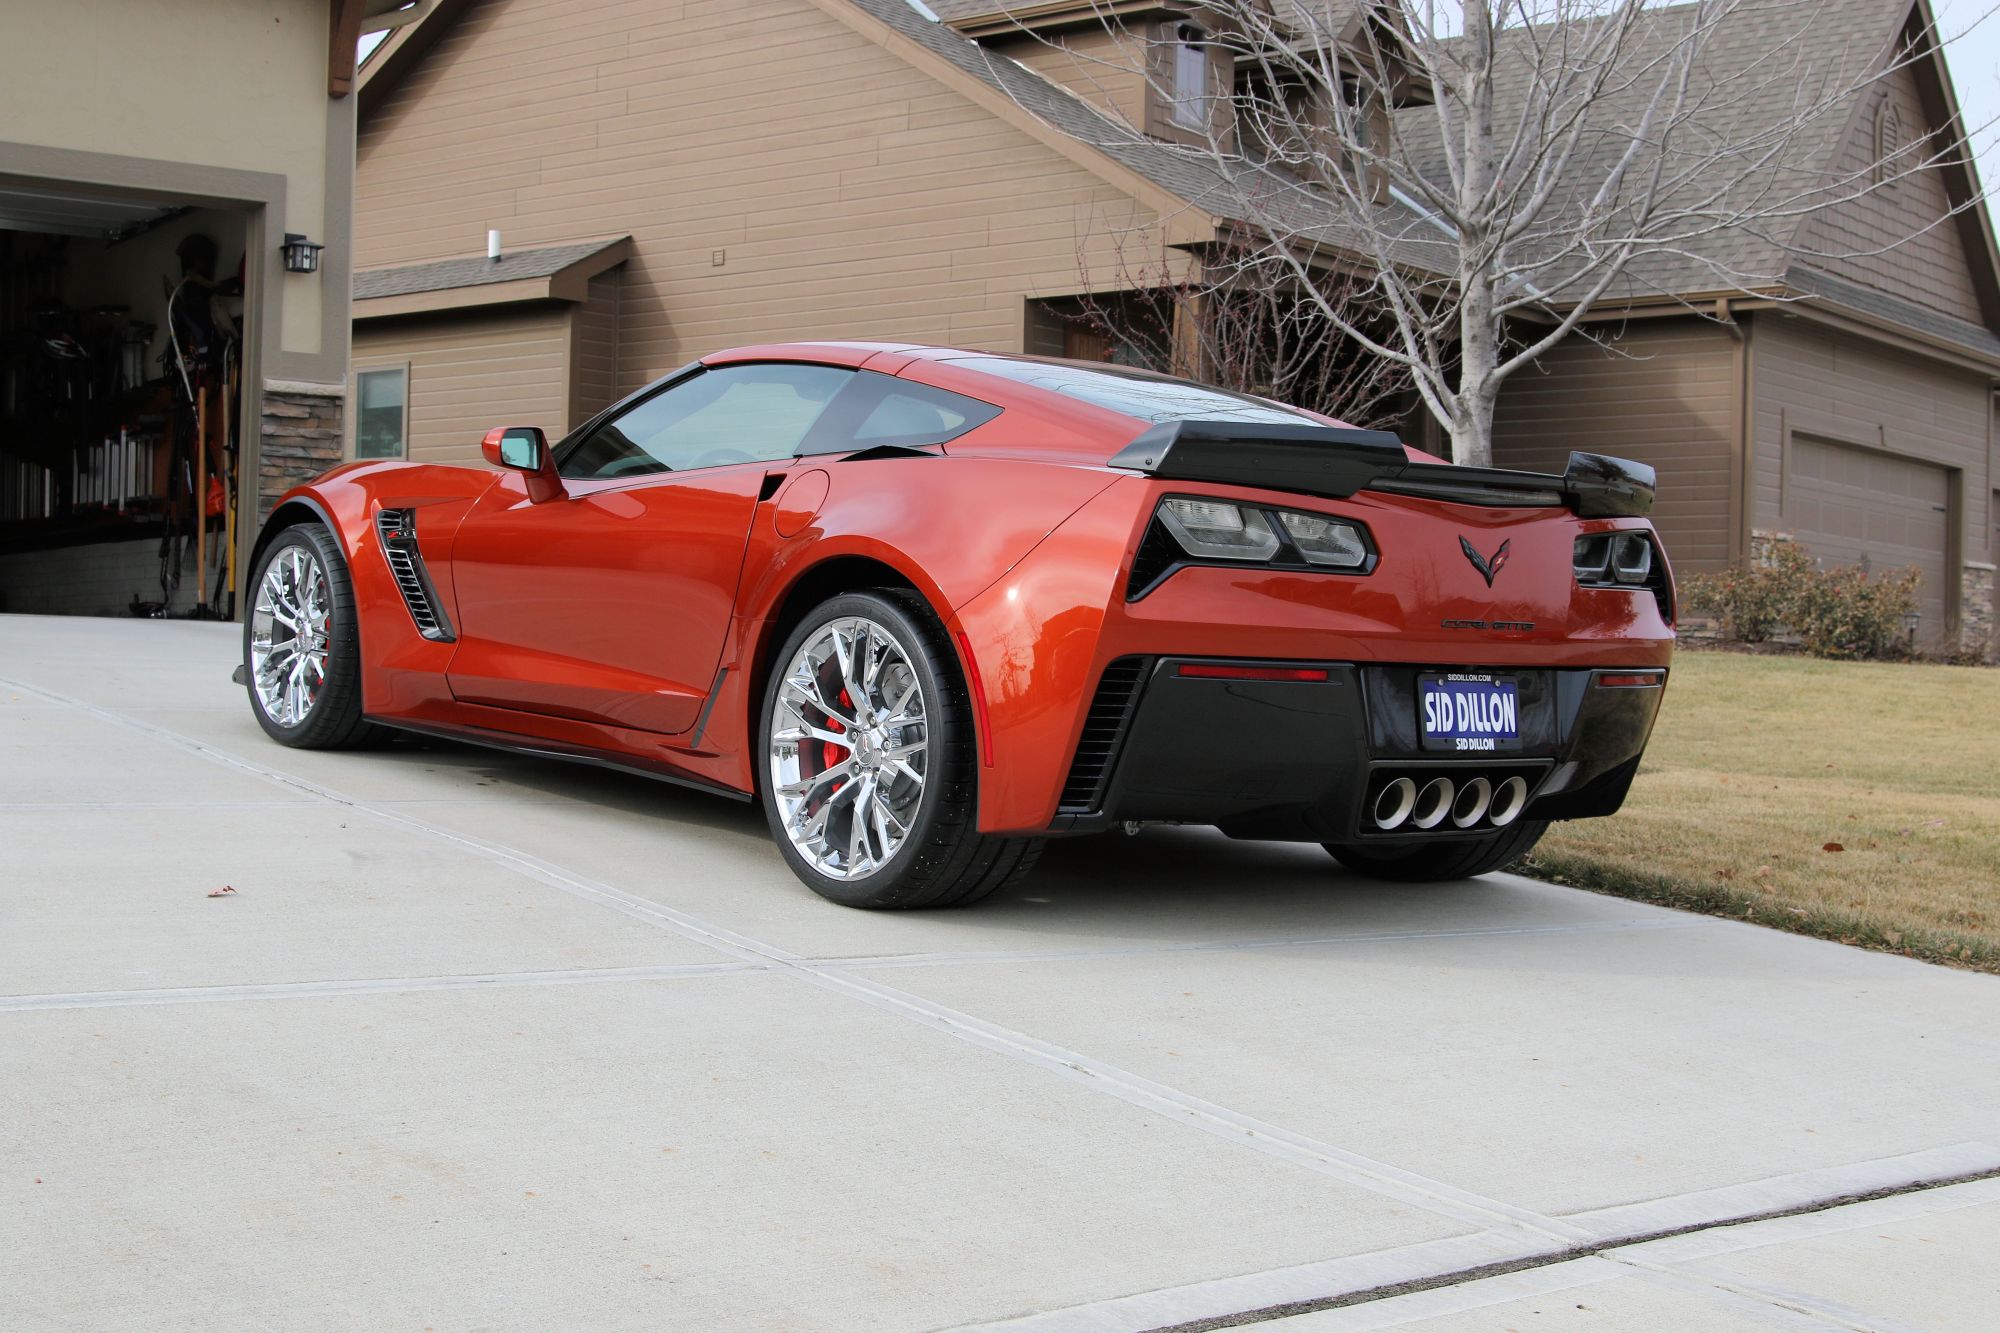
column 500, row 740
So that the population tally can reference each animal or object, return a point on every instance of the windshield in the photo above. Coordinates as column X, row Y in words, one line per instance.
column 1146, row 397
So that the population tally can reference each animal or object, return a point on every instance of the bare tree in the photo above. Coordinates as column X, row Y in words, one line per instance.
column 1240, row 317
column 1502, row 167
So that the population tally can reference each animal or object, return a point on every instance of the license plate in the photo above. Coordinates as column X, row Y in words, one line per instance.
column 1469, row 713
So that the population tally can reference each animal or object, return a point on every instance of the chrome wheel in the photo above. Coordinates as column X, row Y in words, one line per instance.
column 291, row 627
column 849, row 748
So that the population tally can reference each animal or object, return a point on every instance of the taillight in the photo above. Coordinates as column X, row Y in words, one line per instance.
column 1630, row 560
column 1196, row 530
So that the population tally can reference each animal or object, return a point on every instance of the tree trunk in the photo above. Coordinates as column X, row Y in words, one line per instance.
column 1472, row 434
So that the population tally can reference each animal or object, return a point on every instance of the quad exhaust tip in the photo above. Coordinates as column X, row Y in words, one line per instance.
column 1468, row 803
column 1510, row 798
column 1471, row 803
column 1433, row 804
column 1394, row 803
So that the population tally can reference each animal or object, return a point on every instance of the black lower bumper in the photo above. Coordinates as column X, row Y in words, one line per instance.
column 1303, row 759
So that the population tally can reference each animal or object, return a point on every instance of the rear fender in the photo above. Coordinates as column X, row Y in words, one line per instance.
column 949, row 528
column 1035, row 637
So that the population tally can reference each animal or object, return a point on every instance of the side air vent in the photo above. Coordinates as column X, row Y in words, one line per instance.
column 398, row 530
column 1103, row 730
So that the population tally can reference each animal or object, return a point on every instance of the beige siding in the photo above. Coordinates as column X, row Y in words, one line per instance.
column 845, row 193
column 1932, row 269
column 470, row 373
column 1668, row 396
column 1107, row 69
column 1813, row 383
column 594, row 349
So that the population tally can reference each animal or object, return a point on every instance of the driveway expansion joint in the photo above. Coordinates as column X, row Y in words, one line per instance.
column 1605, row 1249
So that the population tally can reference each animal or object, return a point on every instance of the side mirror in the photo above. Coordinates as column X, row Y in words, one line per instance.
column 524, row 449
column 521, row 448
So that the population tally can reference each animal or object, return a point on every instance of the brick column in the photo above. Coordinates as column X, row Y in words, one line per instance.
column 1975, row 616
column 301, row 434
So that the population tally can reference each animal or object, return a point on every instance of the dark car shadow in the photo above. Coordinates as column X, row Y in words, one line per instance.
column 1166, row 884
column 559, row 779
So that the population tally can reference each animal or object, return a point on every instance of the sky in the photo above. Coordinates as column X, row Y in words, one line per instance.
column 1974, row 58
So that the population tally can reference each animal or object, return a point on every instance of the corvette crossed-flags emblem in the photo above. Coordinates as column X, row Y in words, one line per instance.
column 1487, row 567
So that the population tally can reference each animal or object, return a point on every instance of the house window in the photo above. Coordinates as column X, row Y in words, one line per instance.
column 1190, row 102
column 382, row 412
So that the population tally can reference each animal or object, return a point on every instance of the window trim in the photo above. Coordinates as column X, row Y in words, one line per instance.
column 353, row 441
column 1164, row 43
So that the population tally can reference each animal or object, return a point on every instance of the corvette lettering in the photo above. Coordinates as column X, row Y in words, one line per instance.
column 1518, row 625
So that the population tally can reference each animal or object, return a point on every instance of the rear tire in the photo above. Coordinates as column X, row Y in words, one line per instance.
column 1431, row 862
column 302, row 578
column 866, row 711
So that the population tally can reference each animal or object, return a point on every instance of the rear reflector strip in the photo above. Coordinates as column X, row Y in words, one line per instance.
column 1222, row 671
column 1629, row 680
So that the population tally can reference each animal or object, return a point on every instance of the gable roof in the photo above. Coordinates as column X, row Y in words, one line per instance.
column 1198, row 198
column 1191, row 176
column 1779, row 58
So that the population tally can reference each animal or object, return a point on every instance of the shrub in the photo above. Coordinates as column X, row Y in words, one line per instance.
column 1839, row 613
column 1753, row 603
column 1844, row 613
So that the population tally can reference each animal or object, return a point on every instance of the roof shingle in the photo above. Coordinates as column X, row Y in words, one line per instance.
column 474, row 271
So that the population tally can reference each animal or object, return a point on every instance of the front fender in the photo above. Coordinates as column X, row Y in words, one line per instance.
column 401, row 670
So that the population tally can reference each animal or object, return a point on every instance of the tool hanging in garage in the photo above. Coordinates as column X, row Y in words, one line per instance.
column 203, row 352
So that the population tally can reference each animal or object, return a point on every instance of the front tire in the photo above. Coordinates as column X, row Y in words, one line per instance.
column 870, row 779
column 1431, row 862
column 302, row 645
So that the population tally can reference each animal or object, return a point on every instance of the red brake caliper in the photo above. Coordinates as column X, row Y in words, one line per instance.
column 829, row 753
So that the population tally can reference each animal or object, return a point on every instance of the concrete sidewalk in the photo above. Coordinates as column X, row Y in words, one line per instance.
column 487, row 1042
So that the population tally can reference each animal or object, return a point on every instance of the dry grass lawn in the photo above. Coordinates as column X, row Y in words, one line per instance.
column 1854, row 801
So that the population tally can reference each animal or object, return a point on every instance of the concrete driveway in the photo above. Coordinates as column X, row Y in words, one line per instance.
column 486, row 1042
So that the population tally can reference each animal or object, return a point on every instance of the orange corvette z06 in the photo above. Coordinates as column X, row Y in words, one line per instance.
column 933, row 607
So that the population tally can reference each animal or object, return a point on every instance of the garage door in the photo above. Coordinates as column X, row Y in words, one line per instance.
column 1853, row 507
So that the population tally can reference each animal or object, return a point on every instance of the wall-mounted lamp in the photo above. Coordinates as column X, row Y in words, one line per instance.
column 301, row 255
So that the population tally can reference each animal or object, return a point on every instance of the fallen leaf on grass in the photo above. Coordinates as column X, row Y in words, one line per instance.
column 1832, row 847
column 226, row 891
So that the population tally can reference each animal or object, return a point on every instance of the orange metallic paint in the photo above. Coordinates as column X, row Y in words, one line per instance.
column 609, row 606
column 600, row 620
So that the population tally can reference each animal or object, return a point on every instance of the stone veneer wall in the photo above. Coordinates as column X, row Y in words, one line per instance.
column 1975, row 611
column 300, row 435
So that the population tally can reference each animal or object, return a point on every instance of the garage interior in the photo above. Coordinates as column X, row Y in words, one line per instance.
column 122, row 337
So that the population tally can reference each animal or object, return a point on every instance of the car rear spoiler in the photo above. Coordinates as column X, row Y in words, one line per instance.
column 1336, row 462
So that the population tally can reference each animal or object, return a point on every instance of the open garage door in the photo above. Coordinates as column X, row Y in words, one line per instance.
column 1853, row 506
column 122, row 329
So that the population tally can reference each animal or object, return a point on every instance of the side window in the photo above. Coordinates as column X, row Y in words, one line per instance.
column 734, row 414
column 880, row 410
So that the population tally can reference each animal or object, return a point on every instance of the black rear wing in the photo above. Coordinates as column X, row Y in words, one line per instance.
column 1335, row 462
